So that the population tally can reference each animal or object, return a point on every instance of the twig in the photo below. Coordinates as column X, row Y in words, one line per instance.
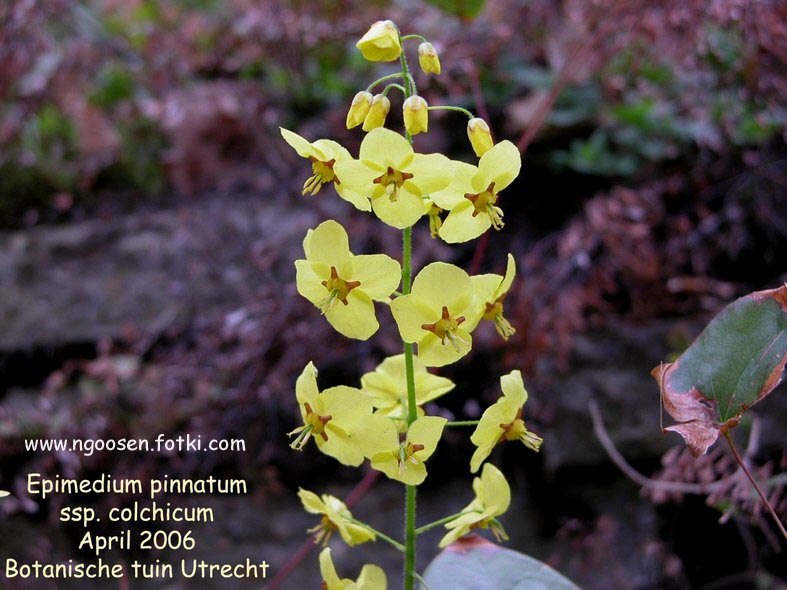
column 636, row 476
column 754, row 483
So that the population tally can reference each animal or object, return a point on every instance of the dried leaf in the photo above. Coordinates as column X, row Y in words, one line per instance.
column 736, row 361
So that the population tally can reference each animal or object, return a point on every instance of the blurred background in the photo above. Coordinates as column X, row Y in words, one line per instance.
column 151, row 213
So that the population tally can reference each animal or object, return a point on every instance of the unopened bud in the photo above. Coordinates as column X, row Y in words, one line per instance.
column 377, row 113
column 359, row 108
column 480, row 136
column 428, row 59
column 416, row 115
column 381, row 42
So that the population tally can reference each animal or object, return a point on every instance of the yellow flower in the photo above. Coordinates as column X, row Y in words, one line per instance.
column 378, row 111
column 472, row 195
column 416, row 115
column 372, row 577
column 4, row 493
column 492, row 497
column 336, row 517
column 503, row 421
column 491, row 291
column 359, row 108
column 324, row 154
column 330, row 417
column 480, row 136
column 381, row 42
column 394, row 177
column 402, row 461
column 428, row 58
column 341, row 284
column 386, row 386
column 438, row 314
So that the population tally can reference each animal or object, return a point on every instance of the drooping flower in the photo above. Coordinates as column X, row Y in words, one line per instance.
column 416, row 115
column 330, row 417
column 428, row 58
column 377, row 113
column 324, row 154
column 472, row 195
column 503, row 421
column 492, row 498
column 491, row 291
column 335, row 517
column 386, row 386
column 381, row 42
column 402, row 461
column 372, row 577
column 341, row 284
column 438, row 314
column 479, row 135
column 359, row 108
column 394, row 177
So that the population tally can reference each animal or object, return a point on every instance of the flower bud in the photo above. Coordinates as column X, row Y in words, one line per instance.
column 428, row 59
column 416, row 117
column 359, row 108
column 377, row 113
column 480, row 136
column 381, row 42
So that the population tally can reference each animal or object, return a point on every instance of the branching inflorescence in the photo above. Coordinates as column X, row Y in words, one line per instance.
column 384, row 421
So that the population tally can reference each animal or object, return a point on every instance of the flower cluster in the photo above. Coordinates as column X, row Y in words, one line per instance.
column 384, row 421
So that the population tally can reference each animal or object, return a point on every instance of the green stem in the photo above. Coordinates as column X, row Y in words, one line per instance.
column 412, row 408
column 396, row 544
column 383, row 79
column 414, row 36
column 463, row 423
column 397, row 86
column 445, row 107
column 436, row 523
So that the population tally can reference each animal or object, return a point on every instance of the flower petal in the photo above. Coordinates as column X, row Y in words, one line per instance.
column 410, row 313
column 372, row 578
column 495, row 491
column 431, row 172
column 426, row 431
column 514, row 388
column 311, row 502
column 356, row 176
column 461, row 226
column 356, row 319
column 327, row 243
column 505, row 284
column 460, row 185
column 401, row 213
column 500, row 165
column 302, row 146
column 308, row 282
column 444, row 284
column 378, row 274
column 433, row 353
column 306, row 390
column 385, row 147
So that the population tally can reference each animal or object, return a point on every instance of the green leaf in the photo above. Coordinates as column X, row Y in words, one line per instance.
column 462, row 8
column 472, row 563
column 736, row 361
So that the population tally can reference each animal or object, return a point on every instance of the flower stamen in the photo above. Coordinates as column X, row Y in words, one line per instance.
column 494, row 312
column 337, row 289
column 322, row 173
column 445, row 328
column 484, row 202
column 392, row 180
